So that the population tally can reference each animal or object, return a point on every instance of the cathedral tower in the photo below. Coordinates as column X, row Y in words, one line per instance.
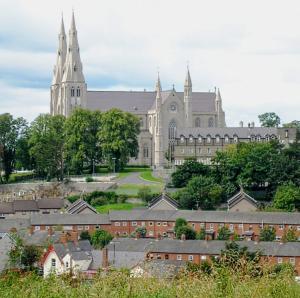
column 73, row 86
column 188, row 100
column 158, row 133
column 55, row 105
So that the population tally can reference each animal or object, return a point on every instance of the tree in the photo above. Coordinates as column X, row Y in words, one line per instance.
column 145, row 193
column 287, row 197
column 290, row 235
column 141, row 231
column 85, row 235
column 269, row 119
column 100, row 238
column 23, row 158
column 179, row 223
column 189, row 169
column 82, row 145
column 30, row 256
column 46, row 142
column 201, row 234
column 11, row 130
column 267, row 234
column 189, row 232
column 201, row 192
column 118, row 137
column 223, row 233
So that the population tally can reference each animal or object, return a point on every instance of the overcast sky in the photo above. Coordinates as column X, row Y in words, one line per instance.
column 249, row 49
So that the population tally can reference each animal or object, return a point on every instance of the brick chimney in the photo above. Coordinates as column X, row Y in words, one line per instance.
column 105, row 257
column 183, row 237
column 73, row 236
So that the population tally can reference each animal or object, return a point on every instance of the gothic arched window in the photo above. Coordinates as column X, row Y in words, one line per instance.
column 172, row 129
column 72, row 92
column 197, row 122
column 145, row 151
column 78, row 92
column 210, row 122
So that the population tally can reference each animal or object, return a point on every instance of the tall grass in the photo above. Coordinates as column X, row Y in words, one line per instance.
column 119, row 284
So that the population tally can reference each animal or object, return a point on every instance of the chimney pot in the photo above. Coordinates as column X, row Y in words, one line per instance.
column 183, row 237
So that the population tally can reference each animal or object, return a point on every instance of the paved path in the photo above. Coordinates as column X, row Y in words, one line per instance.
column 134, row 178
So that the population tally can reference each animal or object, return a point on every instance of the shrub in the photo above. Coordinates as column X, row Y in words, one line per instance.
column 267, row 234
column 179, row 223
column 99, row 201
column 89, row 179
column 189, row 232
column 142, row 231
column 73, row 198
column 85, row 235
column 223, row 233
column 101, row 238
column 122, row 198
column 145, row 193
column 201, row 234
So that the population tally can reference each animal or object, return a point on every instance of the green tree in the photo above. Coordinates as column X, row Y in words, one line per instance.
column 190, row 233
column 141, row 231
column 287, row 197
column 290, row 235
column 30, row 256
column 223, row 233
column 100, row 238
column 180, row 222
column 188, row 170
column 267, row 234
column 201, row 235
column 85, row 235
column 23, row 158
column 269, row 119
column 145, row 193
column 201, row 192
column 118, row 137
column 82, row 144
column 11, row 130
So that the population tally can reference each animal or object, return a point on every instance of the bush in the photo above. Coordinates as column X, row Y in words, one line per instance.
column 223, row 233
column 189, row 233
column 99, row 202
column 101, row 238
column 201, row 234
column 267, row 234
column 85, row 235
column 142, row 231
column 122, row 198
column 145, row 193
column 89, row 179
column 73, row 198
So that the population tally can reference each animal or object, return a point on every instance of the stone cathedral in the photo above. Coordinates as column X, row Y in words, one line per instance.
column 161, row 112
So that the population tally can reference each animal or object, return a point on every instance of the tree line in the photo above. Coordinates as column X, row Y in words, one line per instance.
column 52, row 146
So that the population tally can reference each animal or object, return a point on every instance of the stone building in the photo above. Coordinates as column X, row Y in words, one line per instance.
column 161, row 112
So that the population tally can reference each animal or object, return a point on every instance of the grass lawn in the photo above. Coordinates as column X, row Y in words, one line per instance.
column 147, row 175
column 120, row 206
column 132, row 189
column 124, row 173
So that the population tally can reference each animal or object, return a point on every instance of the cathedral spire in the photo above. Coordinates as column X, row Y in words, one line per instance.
column 188, row 99
column 218, row 95
column 188, row 81
column 158, row 92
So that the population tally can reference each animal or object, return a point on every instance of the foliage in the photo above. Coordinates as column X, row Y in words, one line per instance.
column 82, row 144
column 46, row 140
column 180, row 222
column 118, row 137
column 223, row 233
column 287, row 197
column 145, row 193
column 290, row 235
column 267, row 234
column 147, row 175
column 100, row 238
column 89, row 179
column 11, row 132
column 188, row 170
column 85, row 235
column 201, row 234
column 141, row 231
column 198, row 269
column 269, row 119
column 189, row 232
column 119, row 206
column 201, row 192
column 30, row 256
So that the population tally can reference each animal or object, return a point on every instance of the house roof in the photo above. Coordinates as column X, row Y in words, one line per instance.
column 54, row 203
column 6, row 208
column 140, row 102
column 80, row 205
column 69, row 219
column 241, row 132
column 25, row 205
column 39, row 238
column 241, row 195
column 7, row 224
column 77, row 249
column 166, row 198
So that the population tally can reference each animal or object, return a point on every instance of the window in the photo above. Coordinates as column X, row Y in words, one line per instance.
column 150, row 223
column 67, row 264
column 217, row 139
column 182, row 139
column 210, row 122
column 179, row 257
column 211, row 226
column 124, row 223
column 231, row 227
column 191, row 139
column 241, row 226
column 292, row 261
column 208, row 139
column 37, row 228
column 53, row 262
column 78, row 92
column 258, row 138
column 173, row 107
column 165, row 234
column 182, row 151
column 134, row 223
column 86, row 228
column 150, row 233
column 125, row 234
column 172, row 129
column 75, row 67
column 193, row 225
column 117, row 224
column 199, row 139
column 202, row 225
column 286, row 133
column 72, row 92
column 235, row 139
column 158, row 224
column 267, row 138
column 298, row 228
column 150, row 122
column 166, row 257
column 208, row 151
column 145, row 151
column 199, row 150
column 279, row 260
column 226, row 139
column 221, row 225
column 191, row 150
column 97, row 227
column 191, row 257
column 164, row 223
column 79, row 228
column 197, row 122
column 203, row 258
column 281, row 227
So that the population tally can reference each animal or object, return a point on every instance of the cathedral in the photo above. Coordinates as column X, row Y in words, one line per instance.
column 161, row 112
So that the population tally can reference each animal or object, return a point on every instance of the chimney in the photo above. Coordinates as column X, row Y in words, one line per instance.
column 63, row 238
column 249, row 125
column 241, row 124
column 252, row 124
column 105, row 257
column 183, row 237
column 73, row 236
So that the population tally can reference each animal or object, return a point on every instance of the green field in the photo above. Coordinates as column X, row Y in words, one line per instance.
column 147, row 175
column 133, row 189
column 119, row 206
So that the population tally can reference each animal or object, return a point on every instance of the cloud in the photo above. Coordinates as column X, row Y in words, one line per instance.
column 251, row 50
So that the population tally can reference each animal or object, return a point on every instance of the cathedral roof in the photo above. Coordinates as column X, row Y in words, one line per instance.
column 140, row 102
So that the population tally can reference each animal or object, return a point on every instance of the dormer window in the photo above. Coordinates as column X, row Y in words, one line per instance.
column 208, row 139
column 217, row 139
column 267, row 138
column 226, row 139
column 235, row 139
column 252, row 138
column 199, row 139
column 258, row 138
column 182, row 139
column 191, row 139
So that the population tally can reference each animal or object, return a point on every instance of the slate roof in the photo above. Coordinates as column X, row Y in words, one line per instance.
column 6, row 208
column 140, row 102
column 241, row 195
column 13, row 223
column 55, row 203
column 74, row 248
column 241, row 132
column 78, row 206
column 69, row 219
column 39, row 238
column 25, row 205
column 165, row 197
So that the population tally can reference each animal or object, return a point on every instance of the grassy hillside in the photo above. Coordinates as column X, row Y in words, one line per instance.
column 118, row 284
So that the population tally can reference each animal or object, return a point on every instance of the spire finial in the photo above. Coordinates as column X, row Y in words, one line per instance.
column 218, row 95
column 73, row 26
column 188, row 81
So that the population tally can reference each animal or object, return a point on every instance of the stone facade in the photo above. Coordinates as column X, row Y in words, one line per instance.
column 161, row 113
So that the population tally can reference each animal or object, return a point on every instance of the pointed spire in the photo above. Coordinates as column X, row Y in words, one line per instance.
column 218, row 95
column 73, row 26
column 188, row 81
column 158, row 85
column 62, row 26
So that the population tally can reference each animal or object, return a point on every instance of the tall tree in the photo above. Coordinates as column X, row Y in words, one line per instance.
column 47, row 145
column 269, row 119
column 11, row 130
column 82, row 145
column 287, row 197
column 118, row 137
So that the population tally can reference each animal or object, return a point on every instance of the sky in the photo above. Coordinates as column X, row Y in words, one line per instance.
column 248, row 49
